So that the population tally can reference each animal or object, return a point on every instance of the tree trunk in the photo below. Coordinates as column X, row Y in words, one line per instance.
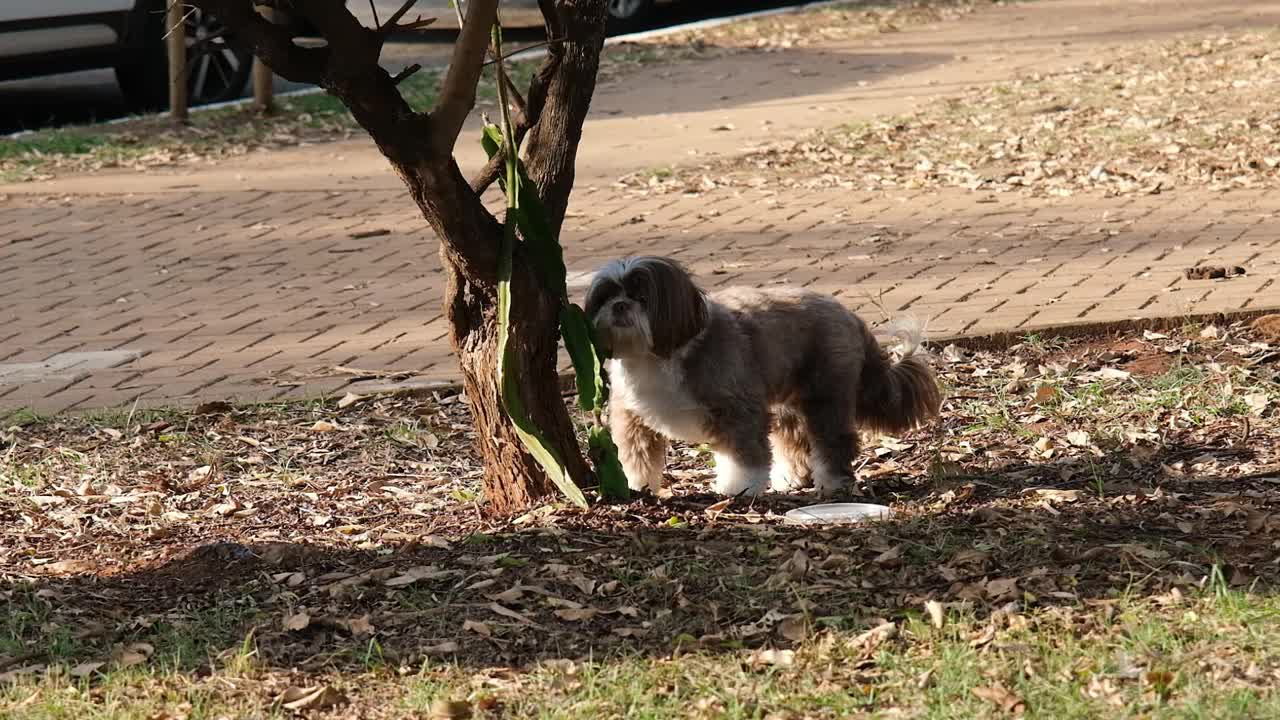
column 419, row 147
column 512, row 478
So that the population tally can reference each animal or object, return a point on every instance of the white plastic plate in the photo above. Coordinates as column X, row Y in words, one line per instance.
column 837, row 514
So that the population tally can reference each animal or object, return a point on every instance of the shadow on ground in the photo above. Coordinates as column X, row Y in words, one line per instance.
column 650, row 576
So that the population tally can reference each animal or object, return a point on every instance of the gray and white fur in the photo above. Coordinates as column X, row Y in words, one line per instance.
column 776, row 381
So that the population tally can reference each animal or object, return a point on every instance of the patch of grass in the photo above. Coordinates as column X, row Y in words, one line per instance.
column 1210, row 656
column 21, row 417
column 213, row 133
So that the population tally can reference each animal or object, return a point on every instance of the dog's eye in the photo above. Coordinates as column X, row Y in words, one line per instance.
column 642, row 300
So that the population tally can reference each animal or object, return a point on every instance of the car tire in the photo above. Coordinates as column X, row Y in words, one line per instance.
column 217, row 70
column 629, row 15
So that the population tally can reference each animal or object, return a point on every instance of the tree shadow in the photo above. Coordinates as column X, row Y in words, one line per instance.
column 652, row 575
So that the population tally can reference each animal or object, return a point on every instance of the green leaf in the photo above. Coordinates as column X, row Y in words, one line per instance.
column 544, row 247
column 545, row 251
column 604, row 454
column 510, row 382
column 491, row 139
column 576, row 331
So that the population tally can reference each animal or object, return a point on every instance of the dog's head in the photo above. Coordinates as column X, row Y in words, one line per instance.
column 645, row 305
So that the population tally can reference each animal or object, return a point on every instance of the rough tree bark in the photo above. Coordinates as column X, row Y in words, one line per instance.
column 419, row 146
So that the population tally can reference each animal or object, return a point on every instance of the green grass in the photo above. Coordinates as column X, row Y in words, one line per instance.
column 1209, row 656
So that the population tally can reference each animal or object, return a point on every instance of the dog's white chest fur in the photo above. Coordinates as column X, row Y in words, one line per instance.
column 655, row 390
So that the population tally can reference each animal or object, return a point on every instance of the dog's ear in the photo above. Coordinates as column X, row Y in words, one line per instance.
column 676, row 306
column 606, row 285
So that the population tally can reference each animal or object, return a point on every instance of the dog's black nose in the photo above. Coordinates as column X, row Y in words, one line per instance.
column 620, row 306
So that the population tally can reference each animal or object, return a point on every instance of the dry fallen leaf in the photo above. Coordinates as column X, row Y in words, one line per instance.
column 777, row 658
column 1079, row 438
column 1001, row 697
column 477, row 627
column 1046, row 393
column 937, row 614
column 577, row 614
column 132, row 654
column 323, row 426
column 713, row 510
column 67, row 567
column 297, row 621
column 450, row 710
column 86, row 669
column 312, row 698
column 1001, row 587
column 509, row 613
column 360, row 626
column 794, row 628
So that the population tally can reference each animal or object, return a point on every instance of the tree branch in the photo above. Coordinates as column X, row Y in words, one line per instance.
column 551, row 147
column 458, row 90
column 529, row 116
column 404, row 74
column 419, row 151
column 513, row 95
column 395, row 18
column 269, row 41
column 551, row 18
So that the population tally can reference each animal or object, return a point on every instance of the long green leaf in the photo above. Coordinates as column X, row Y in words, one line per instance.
column 604, row 453
column 526, row 212
column 545, row 251
column 544, row 248
column 509, row 379
column 586, row 363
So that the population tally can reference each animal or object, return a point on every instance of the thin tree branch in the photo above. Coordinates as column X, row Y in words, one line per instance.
column 513, row 95
column 373, row 8
column 395, row 18
column 528, row 118
column 404, row 74
column 458, row 91
column 418, row 24
column 534, row 46
column 348, row 67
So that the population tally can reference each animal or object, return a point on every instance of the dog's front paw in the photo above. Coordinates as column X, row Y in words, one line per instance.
column 644, row 481
column 828, row 481
column 733, row 479
column 784, row 479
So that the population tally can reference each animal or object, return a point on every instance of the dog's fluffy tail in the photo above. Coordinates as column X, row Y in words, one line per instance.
column 897, row 396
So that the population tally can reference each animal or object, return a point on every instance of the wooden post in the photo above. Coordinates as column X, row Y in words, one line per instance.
column 263, row 78
column 176, row 44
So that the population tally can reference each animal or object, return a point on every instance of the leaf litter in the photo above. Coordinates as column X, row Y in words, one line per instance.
column 1150, row 470
column 1194, row 112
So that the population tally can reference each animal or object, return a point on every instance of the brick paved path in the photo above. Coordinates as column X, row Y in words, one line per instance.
column 167, row 298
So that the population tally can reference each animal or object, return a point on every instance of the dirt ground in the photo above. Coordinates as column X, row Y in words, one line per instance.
column 1062, row 472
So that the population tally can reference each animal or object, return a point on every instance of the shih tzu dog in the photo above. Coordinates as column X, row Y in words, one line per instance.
column 776, row 381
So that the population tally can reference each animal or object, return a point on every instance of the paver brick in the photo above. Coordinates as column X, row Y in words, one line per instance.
column 224, row 293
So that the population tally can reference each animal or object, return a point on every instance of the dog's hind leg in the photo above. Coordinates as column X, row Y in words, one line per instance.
column 833, row 441
column 789, row 439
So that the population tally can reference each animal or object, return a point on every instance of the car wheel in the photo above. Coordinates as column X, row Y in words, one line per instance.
column 217, row 70
column 628, row 15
